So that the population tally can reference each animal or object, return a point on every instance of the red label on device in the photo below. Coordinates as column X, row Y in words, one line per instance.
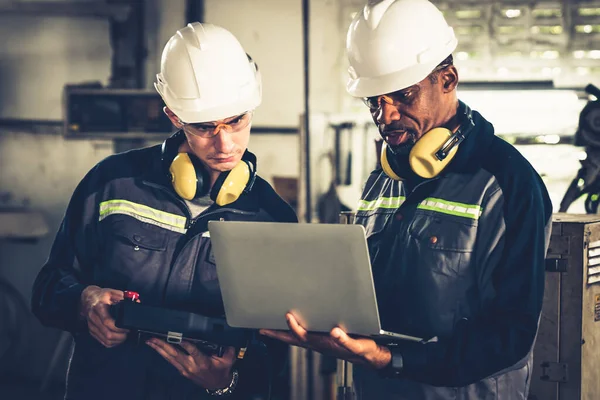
column 131, row 296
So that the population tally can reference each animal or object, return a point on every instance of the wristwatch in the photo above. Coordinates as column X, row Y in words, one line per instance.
column 228, row 391
column 394, row 368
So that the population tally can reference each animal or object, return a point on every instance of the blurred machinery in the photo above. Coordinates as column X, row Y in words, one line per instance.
column 91, row 111
column 25, row 225
column 124, row 111
column 342, row 155
column 587, row 181
column 14, row 332
column 566, row 363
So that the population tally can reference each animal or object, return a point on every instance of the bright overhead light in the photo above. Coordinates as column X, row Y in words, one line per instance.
column 551, row 139
column 595, row 54
column 582, row 70
column 462, row 55
column 550, row 54
column 588, row 28
column 579, row 54
column 556, row 30
column 548, row 139
column 512, row 13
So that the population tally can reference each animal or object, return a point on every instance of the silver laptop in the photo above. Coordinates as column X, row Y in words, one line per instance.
column 321, row 273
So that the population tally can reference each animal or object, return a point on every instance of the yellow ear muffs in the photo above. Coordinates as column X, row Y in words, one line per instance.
column 191, row 179
column 424, row 158
column 429, row 156
column 231, row 184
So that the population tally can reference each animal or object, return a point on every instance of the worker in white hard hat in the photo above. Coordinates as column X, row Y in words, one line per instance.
column 137, row 228
column 457, row 223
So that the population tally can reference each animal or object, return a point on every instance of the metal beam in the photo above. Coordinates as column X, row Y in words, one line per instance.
column 306, row 51
column 515, row 85
column 67, row 9
column 194, row 11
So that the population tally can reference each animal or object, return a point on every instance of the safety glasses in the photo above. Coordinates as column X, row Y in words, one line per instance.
column 397, row 98
column 394, row 99
column 210, row 129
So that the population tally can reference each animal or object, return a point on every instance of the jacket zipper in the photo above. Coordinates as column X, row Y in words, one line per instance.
column 192, row 222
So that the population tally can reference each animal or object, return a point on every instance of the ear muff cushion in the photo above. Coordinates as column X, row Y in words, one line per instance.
column 422, row 157
column 183, row 176
column 231, row 184
column 188, row 176
column 386, row 165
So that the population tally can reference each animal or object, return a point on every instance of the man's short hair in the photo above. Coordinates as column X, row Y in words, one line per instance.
column 433, row 76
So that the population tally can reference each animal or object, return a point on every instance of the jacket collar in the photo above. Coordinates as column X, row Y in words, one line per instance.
column 479, row 134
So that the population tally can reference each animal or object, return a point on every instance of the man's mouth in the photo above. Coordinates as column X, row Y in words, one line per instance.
column 396, row 138
column 224, row 159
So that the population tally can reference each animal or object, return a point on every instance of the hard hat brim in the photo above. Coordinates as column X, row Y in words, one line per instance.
column 398, row 80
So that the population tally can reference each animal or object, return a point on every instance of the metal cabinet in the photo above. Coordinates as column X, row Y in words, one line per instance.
column 567, row 350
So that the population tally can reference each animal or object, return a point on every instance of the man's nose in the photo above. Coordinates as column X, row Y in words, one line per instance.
column 387, row 113
column 224, row 141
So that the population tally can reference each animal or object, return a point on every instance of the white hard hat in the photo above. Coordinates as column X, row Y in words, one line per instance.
column 205, row 75
column 394, row 44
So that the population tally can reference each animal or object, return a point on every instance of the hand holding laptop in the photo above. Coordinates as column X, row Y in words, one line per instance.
column 359, row 350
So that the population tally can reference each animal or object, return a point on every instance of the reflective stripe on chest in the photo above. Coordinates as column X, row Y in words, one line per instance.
column 471, row 211
column 143, row 213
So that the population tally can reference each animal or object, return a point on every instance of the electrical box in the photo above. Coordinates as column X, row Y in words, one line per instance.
column 99, row 113
column 567, row 350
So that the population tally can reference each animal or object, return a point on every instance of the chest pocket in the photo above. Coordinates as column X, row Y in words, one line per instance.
column 444, row 242
column 142, row 240
column 134, row 252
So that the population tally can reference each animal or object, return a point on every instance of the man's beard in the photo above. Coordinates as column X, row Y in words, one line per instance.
column 403, row 150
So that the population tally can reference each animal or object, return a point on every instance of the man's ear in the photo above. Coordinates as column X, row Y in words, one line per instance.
column 174, row 118
column 449, row 78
